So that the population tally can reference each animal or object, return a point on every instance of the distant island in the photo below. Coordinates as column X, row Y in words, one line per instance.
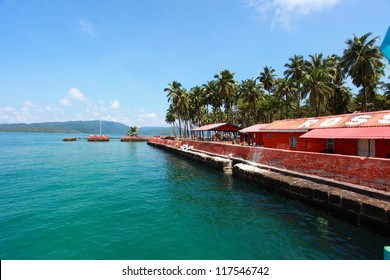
column 87, row 127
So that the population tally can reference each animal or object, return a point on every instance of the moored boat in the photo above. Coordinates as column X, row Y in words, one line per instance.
column 100, row 137
column 69, row 139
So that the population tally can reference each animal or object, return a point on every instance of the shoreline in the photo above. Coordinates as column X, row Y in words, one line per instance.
column 362, row 206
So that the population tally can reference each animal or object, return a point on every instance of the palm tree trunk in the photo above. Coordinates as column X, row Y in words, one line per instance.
column 179, row 127
column 319, row 106
column 286, row 107
column 364, row 101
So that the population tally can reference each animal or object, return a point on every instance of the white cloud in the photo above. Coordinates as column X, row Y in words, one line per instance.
column 8, row 109
column 73, row 94
column 114, row 105
column 76, row 94
column 65, row 102
column 52, row 109
column 145, row 115
column 23, row 115
column 283, row 12
column 150, row 115
column 86, row 26
column 29, row 104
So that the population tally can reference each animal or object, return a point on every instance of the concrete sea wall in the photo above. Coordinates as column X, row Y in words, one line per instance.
column 359, row 204
column 359, row 208
column 365, row 171
column 218, row 163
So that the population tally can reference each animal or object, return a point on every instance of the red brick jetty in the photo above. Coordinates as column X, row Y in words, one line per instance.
column 98, row 138
column 134, row 139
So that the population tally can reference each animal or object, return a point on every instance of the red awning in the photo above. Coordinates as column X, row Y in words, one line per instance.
column 375, row 132
column 226, row 127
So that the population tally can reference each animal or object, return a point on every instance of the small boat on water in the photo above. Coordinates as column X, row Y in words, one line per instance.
column 100, row 137
column 69, row 139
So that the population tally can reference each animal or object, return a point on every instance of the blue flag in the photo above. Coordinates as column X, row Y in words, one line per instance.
column 385, row 47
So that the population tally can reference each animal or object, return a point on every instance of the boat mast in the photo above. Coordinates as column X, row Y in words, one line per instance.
column 100, row 127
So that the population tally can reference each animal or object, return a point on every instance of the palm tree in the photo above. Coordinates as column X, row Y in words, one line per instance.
column 210, row 95
column 317, row 81
column 196, row 105
column 179, row 100
column 250, row 93
column 182, row 110
column 170, row 117
column 267, row 78
column 386, row 89
column 173, row 91
column 285, row 90
column 295, row 71
column 226, row 88
column 267, row 108
column 133, row 131
column 340, row 99
column 362, row 61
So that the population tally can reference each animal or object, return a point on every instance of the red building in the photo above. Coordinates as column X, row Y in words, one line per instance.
column 361, row 134
column 252, row 135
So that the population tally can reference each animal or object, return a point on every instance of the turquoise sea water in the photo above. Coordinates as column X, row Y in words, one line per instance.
column 81, row 200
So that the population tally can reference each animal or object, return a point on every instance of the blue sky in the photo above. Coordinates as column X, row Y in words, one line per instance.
column 111, row 60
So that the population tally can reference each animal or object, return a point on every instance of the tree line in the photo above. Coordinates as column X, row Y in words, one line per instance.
column 312, row 86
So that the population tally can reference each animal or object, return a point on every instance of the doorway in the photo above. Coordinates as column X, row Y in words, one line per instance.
column 366, row 147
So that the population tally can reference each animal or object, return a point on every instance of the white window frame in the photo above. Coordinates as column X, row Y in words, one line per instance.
column 330, row 144
column 293, row 142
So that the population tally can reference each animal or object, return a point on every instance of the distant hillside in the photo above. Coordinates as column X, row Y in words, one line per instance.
column 88, row 127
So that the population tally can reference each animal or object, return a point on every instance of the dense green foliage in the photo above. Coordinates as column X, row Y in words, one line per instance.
column 312, row 86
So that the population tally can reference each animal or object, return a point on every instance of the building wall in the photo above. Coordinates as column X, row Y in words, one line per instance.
column 252, row 137
column 365, row 171
column 281, row 140
column 258, row 138
column 382, row 148
column 345, row 147
column 315, row 145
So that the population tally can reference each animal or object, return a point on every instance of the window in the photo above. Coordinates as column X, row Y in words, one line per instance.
column 293, row 142
column 330, row 144
column 270, row 136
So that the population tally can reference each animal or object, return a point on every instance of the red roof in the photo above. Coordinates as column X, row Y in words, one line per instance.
column 254, row 128
column 218, row 127
column 368, row 119
column 375, row 132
